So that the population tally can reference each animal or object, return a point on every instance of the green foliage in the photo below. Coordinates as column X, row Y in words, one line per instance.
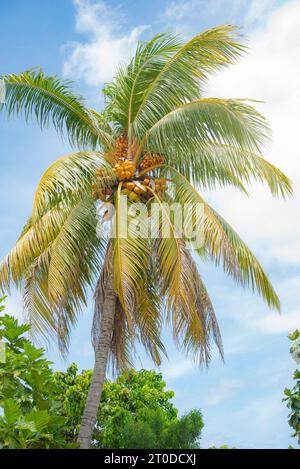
column 130, row 400
column 49, row 99
column 30, row 416
column 43, row 409
column 71, row 390
column 135, row 411
column 153, row 430
column 292, row 398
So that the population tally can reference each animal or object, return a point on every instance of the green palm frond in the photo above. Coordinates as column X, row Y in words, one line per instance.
column 224, row 245
column 49, row 321
column 35, row 239
column 253, row 275
column 124, row 95
column 208, row 121
column 76, row 244
column 70, row 176
column 39, row 311
column 50, row 99
column 222, row 165
column 146, row 326
column 181, row 77
column 122, row 342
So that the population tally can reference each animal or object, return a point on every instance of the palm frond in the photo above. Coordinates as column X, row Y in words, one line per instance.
column 173, row 267
column 181, row 77
column 125, row 93
column 50, row 99
column 189, row 308
column 193, row 126
column 149, row 320
column 253, row 275
column 146, row 327
column 221, row 165
column 224, row 245
column 70, row 176
column 77, row 244
column 202, row 326
column 36, row 237
column 130, row 256
column 39, row 311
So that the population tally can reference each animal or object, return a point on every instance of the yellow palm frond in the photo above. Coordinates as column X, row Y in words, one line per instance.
column 130, row 256
column 76, row 244
column 224, row 245
column 70, row 176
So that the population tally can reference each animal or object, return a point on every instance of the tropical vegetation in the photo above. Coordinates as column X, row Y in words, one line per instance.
column 292, row 396
column 30, row 417
column 158, row 140
column 43, row 409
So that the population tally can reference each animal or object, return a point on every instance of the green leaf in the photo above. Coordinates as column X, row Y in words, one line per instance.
column 294, row 335
column 50, row 99
column 12, row 411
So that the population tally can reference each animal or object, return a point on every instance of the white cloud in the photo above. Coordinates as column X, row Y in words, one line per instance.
column 184, row 16
column 267, row 416
column 258, row 10
column 108, row 46
column 271, row 73
column 255, row 319
column 277, row 324
column 177, row 370
column 14, row 306
column 225, row 389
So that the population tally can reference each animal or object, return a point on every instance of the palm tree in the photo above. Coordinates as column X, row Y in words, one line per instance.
column 158, row 141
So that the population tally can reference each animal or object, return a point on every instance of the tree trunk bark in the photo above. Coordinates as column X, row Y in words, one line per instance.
column 101, row 357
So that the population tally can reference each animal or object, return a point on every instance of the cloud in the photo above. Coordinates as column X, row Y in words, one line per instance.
column 270, row 73
column 224, row 390
column 184, row 16
column 177, row 370
column 259, row 10
column 96, row 60
column 14, row 306
column 254, row 318
column 277, row 324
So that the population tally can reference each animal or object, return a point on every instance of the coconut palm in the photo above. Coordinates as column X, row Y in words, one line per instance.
column 159, row 140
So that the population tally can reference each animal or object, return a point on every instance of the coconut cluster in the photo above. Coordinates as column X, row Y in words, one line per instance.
column 124, row 170
column 143, row 189
column 150, row 160
column 137, row 185
column 121, row 148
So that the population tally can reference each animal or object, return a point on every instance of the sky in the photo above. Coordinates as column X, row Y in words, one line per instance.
column 84, row 41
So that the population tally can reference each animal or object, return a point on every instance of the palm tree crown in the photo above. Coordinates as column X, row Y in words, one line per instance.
column 158, row 140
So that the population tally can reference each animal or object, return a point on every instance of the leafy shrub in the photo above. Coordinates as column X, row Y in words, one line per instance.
column 30, row 417
column 293, row 395
column 135, row 411
column 43, row 409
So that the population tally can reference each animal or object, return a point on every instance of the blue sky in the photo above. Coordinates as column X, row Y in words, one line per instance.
column 84, row 41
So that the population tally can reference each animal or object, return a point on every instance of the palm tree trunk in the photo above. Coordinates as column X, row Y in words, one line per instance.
column 101, row 357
